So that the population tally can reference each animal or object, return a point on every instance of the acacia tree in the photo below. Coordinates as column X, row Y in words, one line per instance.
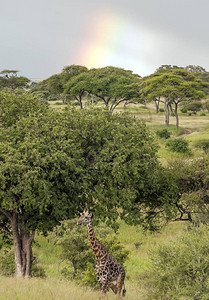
column 9, row 79
column 195, row 69
column 110, row 84
column 77, row 88
column 173, row 88
column 54, row 86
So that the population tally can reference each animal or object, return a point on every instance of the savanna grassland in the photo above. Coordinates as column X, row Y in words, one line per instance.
column 55, row 287
column 193, row 128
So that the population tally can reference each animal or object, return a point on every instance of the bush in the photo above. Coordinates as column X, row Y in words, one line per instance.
column 163, row 133
column 178, row 145
column 7, row 266
column 184, row 110
column 194, row 106
column 161, row 110
column 181, row 268
column 203, row 144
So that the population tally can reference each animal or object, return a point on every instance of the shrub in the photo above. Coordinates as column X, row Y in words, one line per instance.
column 161, row 110
column 181, row 268
column 7, row 266
column 178, row 145
column 163, row 133
column 194, row 106
column 203, row 144
column 184, row 110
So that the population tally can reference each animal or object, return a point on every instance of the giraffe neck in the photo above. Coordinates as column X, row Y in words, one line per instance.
column 98, row 249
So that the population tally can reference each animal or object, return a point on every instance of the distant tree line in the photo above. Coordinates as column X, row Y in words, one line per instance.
column 170, row 85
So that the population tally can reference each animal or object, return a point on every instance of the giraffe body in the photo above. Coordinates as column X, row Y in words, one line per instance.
column 108, row 270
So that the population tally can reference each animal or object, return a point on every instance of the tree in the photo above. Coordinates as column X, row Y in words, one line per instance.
column 77, row 88
column 72, row 71
column 53, row 164
column 195, row 69
column 166, row 68
column 112, row 85
column 53, row 87
column 9, row 79
column 174, row 87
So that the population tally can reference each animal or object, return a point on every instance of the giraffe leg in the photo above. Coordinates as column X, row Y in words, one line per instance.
column 120, row 282
column 113, row 287
column 103, row 284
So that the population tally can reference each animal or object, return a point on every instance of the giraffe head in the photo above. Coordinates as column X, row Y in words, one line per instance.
column 85, row 217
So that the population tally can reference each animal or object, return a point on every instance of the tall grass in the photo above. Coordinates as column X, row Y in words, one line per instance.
column 51, row 289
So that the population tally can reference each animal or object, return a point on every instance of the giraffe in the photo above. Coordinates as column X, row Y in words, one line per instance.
column 108, row 270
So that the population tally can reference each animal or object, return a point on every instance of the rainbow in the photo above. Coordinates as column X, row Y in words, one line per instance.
column 116, row 41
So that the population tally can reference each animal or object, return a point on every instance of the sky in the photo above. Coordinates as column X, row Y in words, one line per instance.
column 40, row 37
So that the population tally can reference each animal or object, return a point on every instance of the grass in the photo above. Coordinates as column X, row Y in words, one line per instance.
column 51, row 289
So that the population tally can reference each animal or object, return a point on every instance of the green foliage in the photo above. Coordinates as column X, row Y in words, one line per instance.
column 7, row 266
column 178, row 145
column 14, row 106
column 181, row 268
column 184, row 110
column 75, row 246
column 163, row 133
column 37, row 270
column 191, row 178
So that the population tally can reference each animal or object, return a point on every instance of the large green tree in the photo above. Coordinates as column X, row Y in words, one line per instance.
column 109, row 84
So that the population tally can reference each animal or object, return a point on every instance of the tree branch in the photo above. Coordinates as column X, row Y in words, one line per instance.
column 6, row 213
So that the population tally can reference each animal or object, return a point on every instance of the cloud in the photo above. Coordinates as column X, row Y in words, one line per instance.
column 40, row 37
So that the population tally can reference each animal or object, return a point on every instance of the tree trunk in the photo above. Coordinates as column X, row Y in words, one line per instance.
column 22, row 240
column 166, row 109
column 74, row 268
column 157, row 104
column 176, row 115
